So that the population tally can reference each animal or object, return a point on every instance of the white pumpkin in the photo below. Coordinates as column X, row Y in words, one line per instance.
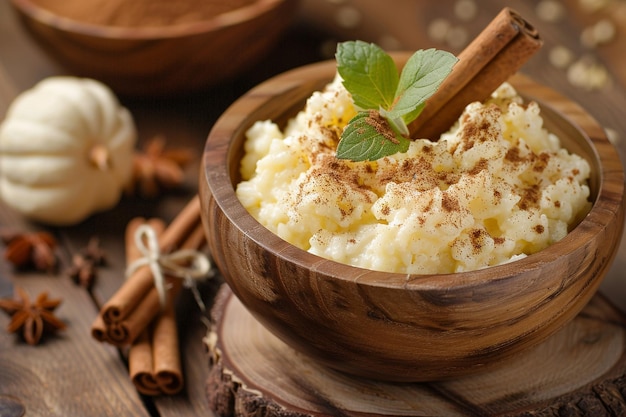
column 66, row 149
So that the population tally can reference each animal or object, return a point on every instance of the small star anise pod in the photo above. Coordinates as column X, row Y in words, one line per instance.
column 83, row 270
column 32, row 249
column 156, row 168
column 32, row 319
column 94, row 252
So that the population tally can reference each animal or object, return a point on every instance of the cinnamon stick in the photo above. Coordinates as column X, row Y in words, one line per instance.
column 99, row 330
column 499, row 51
column 136, row 287
column 140, row 361
column 139, row 319
column 167, row 369
column 154, row 357
column 165, row 343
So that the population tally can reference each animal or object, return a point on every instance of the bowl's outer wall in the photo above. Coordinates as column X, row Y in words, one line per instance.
column 390, row 326
column 163, row 63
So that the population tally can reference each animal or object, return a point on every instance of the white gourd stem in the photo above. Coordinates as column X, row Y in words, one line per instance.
column 99, row 156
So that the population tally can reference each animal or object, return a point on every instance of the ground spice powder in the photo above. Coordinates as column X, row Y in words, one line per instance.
column 140, row 13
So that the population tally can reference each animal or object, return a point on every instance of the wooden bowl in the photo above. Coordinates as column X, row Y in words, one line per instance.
column 392, row 326
column 161, row 60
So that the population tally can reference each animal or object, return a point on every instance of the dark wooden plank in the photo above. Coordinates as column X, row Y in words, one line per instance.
column 70, row 374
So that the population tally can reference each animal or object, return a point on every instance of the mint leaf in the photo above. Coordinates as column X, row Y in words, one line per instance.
column 368, row 73
column 388, row 101
column 369, row 136
column 421, row 77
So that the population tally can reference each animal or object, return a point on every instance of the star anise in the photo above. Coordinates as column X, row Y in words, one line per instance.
column 83, row 270
column 31, row 249
column 156, row 168
column 32, row 319
column 94, row 252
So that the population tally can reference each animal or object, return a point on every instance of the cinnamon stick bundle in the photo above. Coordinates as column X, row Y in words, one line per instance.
column 135, row 316
column 121, row 332
column 134, row 289
column 499, row 51
column 124, row 331
column 136, row 303
column 167, row 368
column 154, row 356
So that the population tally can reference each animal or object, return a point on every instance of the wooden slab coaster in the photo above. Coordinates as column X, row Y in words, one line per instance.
column 578, row 371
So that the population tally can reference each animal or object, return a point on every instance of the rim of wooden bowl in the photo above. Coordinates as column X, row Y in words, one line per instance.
column 230, row 18
column 220, row 177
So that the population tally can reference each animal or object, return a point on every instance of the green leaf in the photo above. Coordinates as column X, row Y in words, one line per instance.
column 368, row 73
column 392, row 100
column 368, row 136
column 421, row 77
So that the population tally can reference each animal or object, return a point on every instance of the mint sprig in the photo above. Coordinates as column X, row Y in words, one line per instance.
column 386, row 99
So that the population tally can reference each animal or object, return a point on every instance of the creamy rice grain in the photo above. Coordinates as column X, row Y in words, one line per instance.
column 495, row 188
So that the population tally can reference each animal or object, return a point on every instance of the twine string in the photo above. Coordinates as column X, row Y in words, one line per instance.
column 190, row 265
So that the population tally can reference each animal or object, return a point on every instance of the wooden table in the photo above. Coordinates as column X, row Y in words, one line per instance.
column 72, row 374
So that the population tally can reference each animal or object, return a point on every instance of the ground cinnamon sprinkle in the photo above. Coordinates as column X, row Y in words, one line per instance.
column 140, row 13
column 380, row 124
column 449, row 203
column 530, row 197
column 495, row 188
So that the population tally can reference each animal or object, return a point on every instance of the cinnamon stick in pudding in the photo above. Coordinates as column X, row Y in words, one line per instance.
column 136, row 287
column 497, row 53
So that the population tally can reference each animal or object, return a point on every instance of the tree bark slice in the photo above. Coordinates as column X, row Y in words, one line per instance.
column 578, row 371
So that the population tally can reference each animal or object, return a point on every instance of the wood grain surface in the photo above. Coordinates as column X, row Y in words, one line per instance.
column 580, row 368
column 92, row 379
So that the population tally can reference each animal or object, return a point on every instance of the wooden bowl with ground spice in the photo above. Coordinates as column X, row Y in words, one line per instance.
column 146, row 47
column 404, row 326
